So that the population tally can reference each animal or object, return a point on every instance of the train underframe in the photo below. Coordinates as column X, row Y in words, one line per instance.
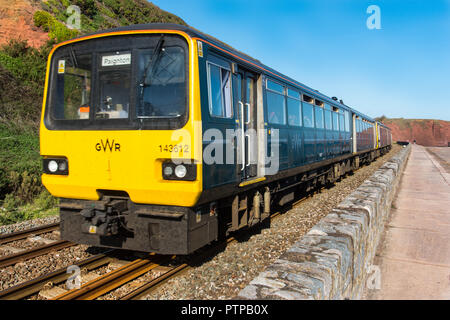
column 115, row 221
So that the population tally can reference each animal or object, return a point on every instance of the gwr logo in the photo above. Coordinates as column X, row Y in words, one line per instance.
column 107, row 146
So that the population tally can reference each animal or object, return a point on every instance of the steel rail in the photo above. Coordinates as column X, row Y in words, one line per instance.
column 26, row 233
column 35, row 252
column 33, row 286
column 114, row 279
column 155, row 283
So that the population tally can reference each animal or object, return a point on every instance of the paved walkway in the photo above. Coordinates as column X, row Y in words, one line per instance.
column 414, row 254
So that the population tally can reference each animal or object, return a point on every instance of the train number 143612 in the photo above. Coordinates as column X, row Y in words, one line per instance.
column 174, row 148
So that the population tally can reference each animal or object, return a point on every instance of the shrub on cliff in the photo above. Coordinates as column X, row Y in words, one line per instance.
column 43, row 19
column 88, row 7
column 57, row 31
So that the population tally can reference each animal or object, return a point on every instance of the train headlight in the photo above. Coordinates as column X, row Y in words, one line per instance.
column 180, row 171
column 168, row 171
column 58, row 166
column 52, row 166
column 62, row 166
column 173, row 171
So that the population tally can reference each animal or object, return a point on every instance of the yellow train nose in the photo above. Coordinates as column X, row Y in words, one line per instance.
column 126, row 161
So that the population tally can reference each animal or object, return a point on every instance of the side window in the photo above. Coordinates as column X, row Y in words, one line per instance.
column 294, row 108
column 308, row 113
column 335, row 121
column 328, row 120
column 319, row 115
column 341, row 122
column 219, row 91
column 347, row 121
column 276, row 108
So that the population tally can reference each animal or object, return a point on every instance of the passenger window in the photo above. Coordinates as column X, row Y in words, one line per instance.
column 294, row 108
column 319, row 117
column 273, row 86
column 341, row 122
column 335, row 121
column 220, row 92
column 308, row 115
column 275, row 108
column 328, row 123
column 347, row 121
column 293, row 94
column 276, row 103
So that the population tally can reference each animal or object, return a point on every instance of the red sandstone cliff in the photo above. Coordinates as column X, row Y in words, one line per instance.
column 435, row 133
column 16, row 22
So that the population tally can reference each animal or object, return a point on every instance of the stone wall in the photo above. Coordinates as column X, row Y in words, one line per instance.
column 333, row 259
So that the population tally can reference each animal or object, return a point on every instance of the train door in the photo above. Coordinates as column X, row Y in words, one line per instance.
column 246, row 96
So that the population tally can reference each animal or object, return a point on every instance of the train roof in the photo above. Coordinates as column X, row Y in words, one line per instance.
column 383, row 125
column 256, row 63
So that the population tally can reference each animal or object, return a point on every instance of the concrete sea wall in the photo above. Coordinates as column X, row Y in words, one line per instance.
column 333, row 260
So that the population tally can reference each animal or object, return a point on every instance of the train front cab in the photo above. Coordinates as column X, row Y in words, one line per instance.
column 130, row 158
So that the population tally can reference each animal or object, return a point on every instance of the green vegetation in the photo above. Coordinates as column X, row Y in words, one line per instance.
column 22, row 78
column 105, row 14
column 12, row 211
column 20, row 182
column 382, row 118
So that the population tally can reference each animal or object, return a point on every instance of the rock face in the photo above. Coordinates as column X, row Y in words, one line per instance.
column 430, row 133
column 16, row 22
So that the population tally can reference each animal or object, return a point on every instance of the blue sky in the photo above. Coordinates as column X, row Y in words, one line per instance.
column 400, row 70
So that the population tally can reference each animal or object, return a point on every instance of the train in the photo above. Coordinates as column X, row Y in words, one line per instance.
column 160, row 138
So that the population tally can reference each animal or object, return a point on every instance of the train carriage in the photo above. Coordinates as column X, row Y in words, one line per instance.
column 160, row 138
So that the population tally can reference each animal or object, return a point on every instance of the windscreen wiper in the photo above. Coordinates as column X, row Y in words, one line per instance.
column 149, row 68
column 155, row 56
column 73, row 57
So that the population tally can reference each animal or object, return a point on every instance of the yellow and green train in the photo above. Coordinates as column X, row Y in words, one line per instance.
column 159, row 138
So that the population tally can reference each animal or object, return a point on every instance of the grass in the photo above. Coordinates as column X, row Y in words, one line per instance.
column 24, row 197
column 44, row 205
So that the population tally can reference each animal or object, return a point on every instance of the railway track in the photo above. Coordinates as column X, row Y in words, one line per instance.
column 33, row 252
column 33, row 286
column 116, row 278
column 111, row 280
column 152, row 285
column 27, row 233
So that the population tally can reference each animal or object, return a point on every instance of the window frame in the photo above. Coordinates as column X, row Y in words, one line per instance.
column 319, row 107
column 299, row 100
column 208, row 80
column 284, row 95
column 313, row 120
column 54, row 74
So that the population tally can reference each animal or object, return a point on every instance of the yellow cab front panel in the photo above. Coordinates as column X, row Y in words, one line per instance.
column 126, row 160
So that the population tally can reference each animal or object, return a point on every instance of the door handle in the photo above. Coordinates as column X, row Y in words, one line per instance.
column 242, row 135
column 248, row 150
column 248, row 113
